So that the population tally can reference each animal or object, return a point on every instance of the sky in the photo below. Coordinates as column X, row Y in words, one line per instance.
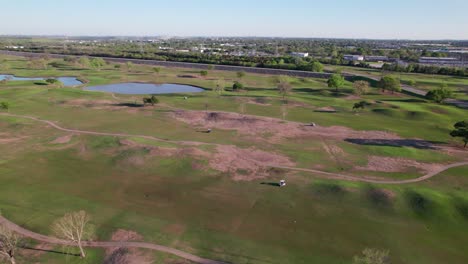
column 371, row 19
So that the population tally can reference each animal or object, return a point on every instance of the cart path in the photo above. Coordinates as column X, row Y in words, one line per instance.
column 339, row 176
column 330, row 175
column 106, row 244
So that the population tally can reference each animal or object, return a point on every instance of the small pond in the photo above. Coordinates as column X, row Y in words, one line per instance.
column 67, row 81
column 145, row 88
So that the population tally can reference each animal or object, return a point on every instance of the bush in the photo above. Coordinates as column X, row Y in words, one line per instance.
column 237, row 86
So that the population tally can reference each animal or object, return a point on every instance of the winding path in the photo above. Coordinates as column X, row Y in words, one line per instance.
column 106, row 244
column 330, row 175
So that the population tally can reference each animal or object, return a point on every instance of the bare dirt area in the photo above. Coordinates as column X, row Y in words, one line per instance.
column 246, row 164
column 387, row 164
column 242, row 164
column 62, row 140
column 6, row 138
column 278, row 129
column 120, row 255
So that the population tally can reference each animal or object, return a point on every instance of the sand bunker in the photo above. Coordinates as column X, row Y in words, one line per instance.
column 270, row 128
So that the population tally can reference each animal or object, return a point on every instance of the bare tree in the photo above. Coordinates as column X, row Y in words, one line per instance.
column 284, row 87
column 219, row 86
column 75, row 228
column 9, row 243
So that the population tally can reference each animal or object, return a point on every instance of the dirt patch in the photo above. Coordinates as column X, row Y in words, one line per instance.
column 326, row 109
column 125, row 255
column 271, row 129
column 387, row 164
column 177, row 229
column 62, row 140
column 126, row 235
column 352, row 97
column 246, row 164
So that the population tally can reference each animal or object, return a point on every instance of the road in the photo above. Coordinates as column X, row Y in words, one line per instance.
column 106, row 244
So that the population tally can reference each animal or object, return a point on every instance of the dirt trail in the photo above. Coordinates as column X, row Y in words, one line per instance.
column 106, row 244
column 327, row 174
column 339, row 176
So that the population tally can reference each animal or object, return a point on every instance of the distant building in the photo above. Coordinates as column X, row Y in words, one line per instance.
column 444, row 61
column 353, row 58
column 376, row 58
column 300, row 54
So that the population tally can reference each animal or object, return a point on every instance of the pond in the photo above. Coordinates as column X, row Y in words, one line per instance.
column 145, row 88
column 67, row 81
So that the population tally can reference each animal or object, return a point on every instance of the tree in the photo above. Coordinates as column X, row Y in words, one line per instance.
column 75, row 228
column 361, row 87
column 412, row 83
column 129, row 66
column 372, row 256
column 204, row 73
column 5, row 106
column 84, row 62
column 97, row 63
column 461, row 131
column 240, row 75
column 9, row 243
column 151, row 100
column 390, row 83
column 439, row 95
column 360, row 105
column 51, row 81
column 219, row 86
column 237, row 86
column 336, row 81
column 156, row 70
column 284, row 86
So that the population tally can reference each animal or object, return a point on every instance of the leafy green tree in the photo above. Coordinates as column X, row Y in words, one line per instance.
column 361, row 87
column 237, row 86
column 203, row 73
column 412, row 83
column 151, row 100
column 336, row 81
column 5, row 106
column 156, row 70
column 317, row 66
column 440, row 94
column 390, row 83
column 372, row 256
column 97, row 63
column 360, row 105
column 461, row 131
column 84, row 62
column 240, row 75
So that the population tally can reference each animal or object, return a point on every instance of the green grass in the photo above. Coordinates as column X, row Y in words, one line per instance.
column 312, row 220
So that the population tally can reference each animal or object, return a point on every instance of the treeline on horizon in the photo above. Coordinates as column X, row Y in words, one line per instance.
column 279, row 62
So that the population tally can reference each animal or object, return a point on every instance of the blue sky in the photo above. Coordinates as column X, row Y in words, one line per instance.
column 413, row 19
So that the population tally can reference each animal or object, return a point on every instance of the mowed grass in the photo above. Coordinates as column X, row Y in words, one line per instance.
column 205, row 212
